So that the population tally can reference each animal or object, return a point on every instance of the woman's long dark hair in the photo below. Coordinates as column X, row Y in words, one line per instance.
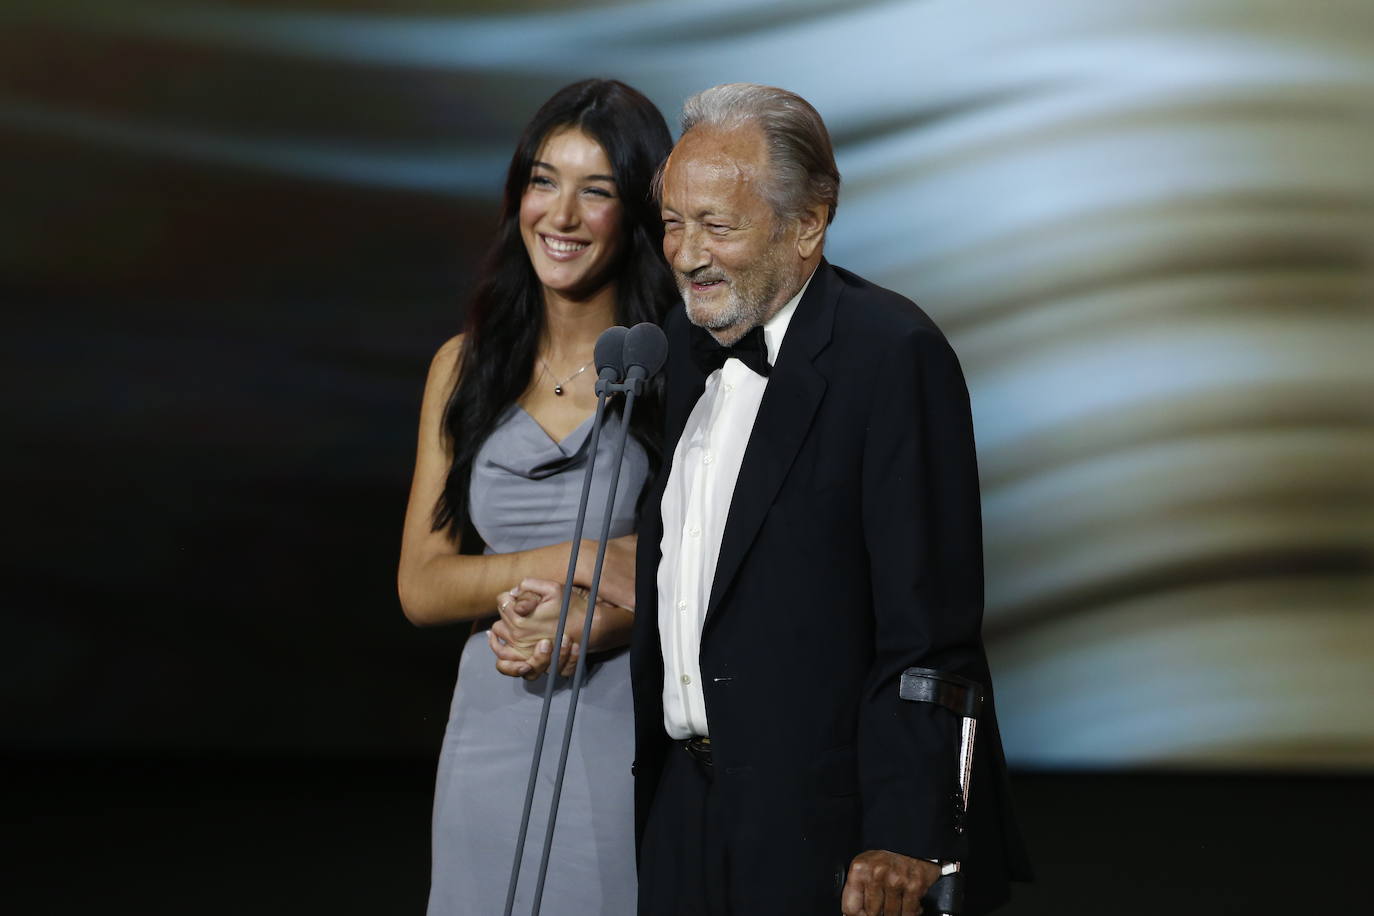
column 505, row 318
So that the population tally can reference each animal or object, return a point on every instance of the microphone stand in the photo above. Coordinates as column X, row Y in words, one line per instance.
column 609, row 344
column 636, row 353
column 631, row 387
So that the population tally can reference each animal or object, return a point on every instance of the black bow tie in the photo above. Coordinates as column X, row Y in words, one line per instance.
column 751, row 349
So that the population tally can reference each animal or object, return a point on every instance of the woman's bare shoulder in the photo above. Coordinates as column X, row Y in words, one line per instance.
column 448, row 353
column 443, row 368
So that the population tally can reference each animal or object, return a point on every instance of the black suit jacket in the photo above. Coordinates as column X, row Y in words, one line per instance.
column 852, row 551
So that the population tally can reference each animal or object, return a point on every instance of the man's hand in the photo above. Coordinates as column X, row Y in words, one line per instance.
column 883, row 883
column 515, row 662
column 522, row 640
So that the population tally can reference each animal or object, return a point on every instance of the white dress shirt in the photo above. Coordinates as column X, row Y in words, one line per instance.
column 695, row 505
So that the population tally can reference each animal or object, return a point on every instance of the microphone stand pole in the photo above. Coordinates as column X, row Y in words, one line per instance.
column 632, row 386
column 634, row 354
column 603, row 391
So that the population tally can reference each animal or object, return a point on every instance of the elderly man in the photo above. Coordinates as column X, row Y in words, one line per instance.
column 815, row 532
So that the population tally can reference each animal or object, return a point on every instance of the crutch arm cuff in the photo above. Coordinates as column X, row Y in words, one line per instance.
column 959, row 695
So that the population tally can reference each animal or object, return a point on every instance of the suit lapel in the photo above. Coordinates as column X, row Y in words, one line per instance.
column 794, row 391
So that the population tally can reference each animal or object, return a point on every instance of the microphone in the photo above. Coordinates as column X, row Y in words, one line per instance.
column 609, row 354
column 646, row 350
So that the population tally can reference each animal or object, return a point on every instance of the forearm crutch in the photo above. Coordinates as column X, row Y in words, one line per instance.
column 963, row 698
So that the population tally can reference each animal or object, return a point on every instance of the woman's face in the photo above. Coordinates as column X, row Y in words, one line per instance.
column 570, row 215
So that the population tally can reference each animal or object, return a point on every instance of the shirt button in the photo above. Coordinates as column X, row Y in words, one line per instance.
column 706, row 459
column 694, row 531
column 686, row 679
column 682, row 605
column 729, row 386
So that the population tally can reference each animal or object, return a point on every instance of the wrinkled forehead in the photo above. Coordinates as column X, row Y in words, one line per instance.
column 709, row 165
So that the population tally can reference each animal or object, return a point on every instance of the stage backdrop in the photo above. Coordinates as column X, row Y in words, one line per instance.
column 231, row 235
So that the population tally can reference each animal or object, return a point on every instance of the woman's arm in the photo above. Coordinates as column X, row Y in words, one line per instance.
column 437, row 584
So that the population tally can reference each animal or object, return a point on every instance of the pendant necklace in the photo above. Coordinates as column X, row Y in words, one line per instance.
column 557, row 385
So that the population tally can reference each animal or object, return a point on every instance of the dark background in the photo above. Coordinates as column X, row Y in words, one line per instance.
column 223, row 273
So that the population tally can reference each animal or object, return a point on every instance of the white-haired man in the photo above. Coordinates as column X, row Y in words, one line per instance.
column 815, row 532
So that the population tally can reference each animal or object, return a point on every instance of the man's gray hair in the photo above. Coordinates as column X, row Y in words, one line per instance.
column 803, row 171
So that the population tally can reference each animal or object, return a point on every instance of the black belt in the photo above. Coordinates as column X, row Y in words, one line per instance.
column 699, row 749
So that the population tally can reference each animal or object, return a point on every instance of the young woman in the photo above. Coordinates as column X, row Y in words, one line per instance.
column 504, row 433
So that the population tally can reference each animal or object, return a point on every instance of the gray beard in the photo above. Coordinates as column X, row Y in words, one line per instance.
column 745, row 308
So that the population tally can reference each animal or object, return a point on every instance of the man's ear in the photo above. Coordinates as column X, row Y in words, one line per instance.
column 811, row 226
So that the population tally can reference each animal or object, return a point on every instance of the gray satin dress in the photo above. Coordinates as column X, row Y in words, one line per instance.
column 525, row 488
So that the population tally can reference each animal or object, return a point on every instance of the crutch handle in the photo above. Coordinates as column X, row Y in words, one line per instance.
column 946, row 896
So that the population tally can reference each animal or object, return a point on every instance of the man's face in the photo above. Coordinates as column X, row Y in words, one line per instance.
column 734, row 262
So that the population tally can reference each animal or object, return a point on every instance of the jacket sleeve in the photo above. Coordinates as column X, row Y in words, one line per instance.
column 923, row 532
